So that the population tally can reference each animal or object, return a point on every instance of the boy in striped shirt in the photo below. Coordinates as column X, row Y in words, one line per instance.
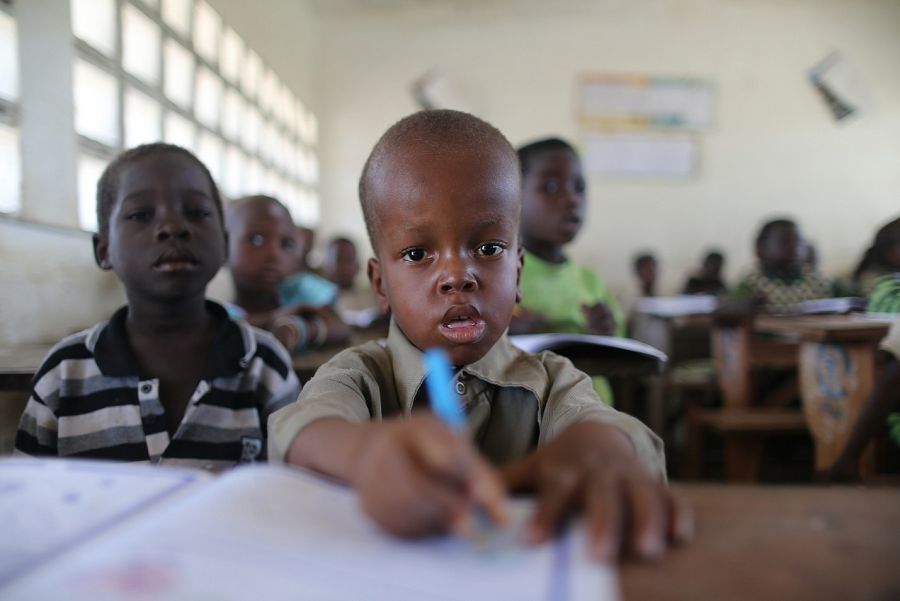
column 169, row 378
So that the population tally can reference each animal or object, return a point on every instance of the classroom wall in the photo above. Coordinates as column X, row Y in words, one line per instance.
column 773, row 149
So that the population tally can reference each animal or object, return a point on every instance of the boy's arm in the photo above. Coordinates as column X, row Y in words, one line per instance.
column 602, row 462
column 37, row 433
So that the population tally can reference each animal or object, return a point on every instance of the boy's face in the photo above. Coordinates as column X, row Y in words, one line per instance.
column 781, row 248
column 553, row 198
column 646, row 272
column 341, row 263
column 262, row 247
column 166, row 240
column 448, row 263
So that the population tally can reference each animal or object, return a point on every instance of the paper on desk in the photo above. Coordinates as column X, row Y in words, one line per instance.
column 47, row 506
column 273, row 533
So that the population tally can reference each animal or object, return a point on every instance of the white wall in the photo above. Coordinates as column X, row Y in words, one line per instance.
column 774, row 148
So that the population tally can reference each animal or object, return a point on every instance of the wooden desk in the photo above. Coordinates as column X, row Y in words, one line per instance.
column 18, row 365
column 755, row 543
column 837, row 371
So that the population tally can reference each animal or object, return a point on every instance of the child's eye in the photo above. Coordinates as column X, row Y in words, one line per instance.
column 257, row 240
column 413, row 255
column 198, row 213
column 288, row 243
column 138, row 215
column 551, row 186
column 580, row 187
column 490, row 249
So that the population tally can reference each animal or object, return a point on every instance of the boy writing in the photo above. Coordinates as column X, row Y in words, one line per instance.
column 262, row 256
column 440, row 193
column 169, row 378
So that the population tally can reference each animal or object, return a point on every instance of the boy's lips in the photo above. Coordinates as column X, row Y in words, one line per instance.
column 462, row 325
column 176, row 261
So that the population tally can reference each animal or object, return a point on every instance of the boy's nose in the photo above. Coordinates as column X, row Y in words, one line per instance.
column 457, row 277
column 172, row 228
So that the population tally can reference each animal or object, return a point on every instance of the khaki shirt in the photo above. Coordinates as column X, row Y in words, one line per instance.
column 514, row 400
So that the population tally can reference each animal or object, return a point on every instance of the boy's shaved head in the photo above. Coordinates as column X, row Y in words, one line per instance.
column 436, row 132
column 236, row 209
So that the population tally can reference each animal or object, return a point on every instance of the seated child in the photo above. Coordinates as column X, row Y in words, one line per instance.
column 781, row 279
column 880, row 259
column 297, row 308
column 645, row 268
column 341, row 266
column 169, row 378
column 441, row 200
column 558, row 295
column 707, row 279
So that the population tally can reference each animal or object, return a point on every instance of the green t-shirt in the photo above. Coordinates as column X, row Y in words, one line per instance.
column 558, row 291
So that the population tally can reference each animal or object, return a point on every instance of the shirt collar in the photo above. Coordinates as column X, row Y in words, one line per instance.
column 231, row 351
column 504, row 365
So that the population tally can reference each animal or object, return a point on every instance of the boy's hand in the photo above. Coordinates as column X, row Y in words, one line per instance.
column 591, row 467
column 417, row 477
column 600, row 319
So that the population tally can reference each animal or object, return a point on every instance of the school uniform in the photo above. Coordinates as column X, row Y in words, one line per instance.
column 89, row 399
column 514, row 401
column 780, row 293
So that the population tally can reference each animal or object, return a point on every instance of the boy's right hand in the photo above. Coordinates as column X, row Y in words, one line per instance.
column 416, row 477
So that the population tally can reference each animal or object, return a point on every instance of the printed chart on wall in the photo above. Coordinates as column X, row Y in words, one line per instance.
column 643, row 127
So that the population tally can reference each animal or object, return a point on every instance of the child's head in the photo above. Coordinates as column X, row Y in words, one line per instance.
column 160, row 223
column 341, row 262
column 441, row 198
column 779, row 244
column 645, row 268
column 886, row 248
column 712, row 265
column 261, row 246
column 553, row 192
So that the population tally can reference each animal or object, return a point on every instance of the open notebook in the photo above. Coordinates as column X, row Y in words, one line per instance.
column 85, row 530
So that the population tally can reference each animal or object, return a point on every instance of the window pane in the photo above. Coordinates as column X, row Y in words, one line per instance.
column 142, row 118
column 179, row 70
column 89, row 171
column 232, row 113
column 250, row 74
column 268, row 90
column 290, row 112
column 209, row 150
column 267, row 141
column 140, row 45
column 207, row 24
column 232, row 178
column 151, row 3
column 313, row 128
column 301, row 119
column 179, row 131
column 96, row 103
column 94, row 21
column 9, row 58
column 177, row 15
column 232, row 53
column 250, row 127
column 11, row 174
column 209, row 98
column 253, row 177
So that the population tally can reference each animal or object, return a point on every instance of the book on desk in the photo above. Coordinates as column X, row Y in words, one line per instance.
column 98, row 530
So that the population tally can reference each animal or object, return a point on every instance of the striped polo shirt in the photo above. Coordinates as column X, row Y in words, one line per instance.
column 89, row 399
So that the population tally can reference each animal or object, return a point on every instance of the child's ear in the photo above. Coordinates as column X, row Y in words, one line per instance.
column 101, row 252
column 520, row 263
column 373, row 270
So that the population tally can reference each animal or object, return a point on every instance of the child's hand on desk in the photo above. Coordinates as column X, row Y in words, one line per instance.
column 417, row 477
column 591, row 467
column 600, row 319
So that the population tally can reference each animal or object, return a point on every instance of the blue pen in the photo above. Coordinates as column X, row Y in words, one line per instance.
column 445, row 405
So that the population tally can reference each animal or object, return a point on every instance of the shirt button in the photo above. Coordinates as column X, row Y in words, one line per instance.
column 460, row 388
column 146, row 388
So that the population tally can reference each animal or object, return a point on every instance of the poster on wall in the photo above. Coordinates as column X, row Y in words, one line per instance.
column 640, row 154
column 839, row 86
column 638, row 101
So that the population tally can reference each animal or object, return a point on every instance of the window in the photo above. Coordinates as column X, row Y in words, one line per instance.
column 147, row 70
column 10, row 156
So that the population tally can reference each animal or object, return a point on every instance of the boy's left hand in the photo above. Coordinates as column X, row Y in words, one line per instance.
column 600, row 319
column 592, row 467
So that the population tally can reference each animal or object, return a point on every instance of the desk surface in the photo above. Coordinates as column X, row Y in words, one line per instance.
column 779, row 543
column 842, row 328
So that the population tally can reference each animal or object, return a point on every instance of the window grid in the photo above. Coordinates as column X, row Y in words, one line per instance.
column 289, row 158
column 10, row 142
